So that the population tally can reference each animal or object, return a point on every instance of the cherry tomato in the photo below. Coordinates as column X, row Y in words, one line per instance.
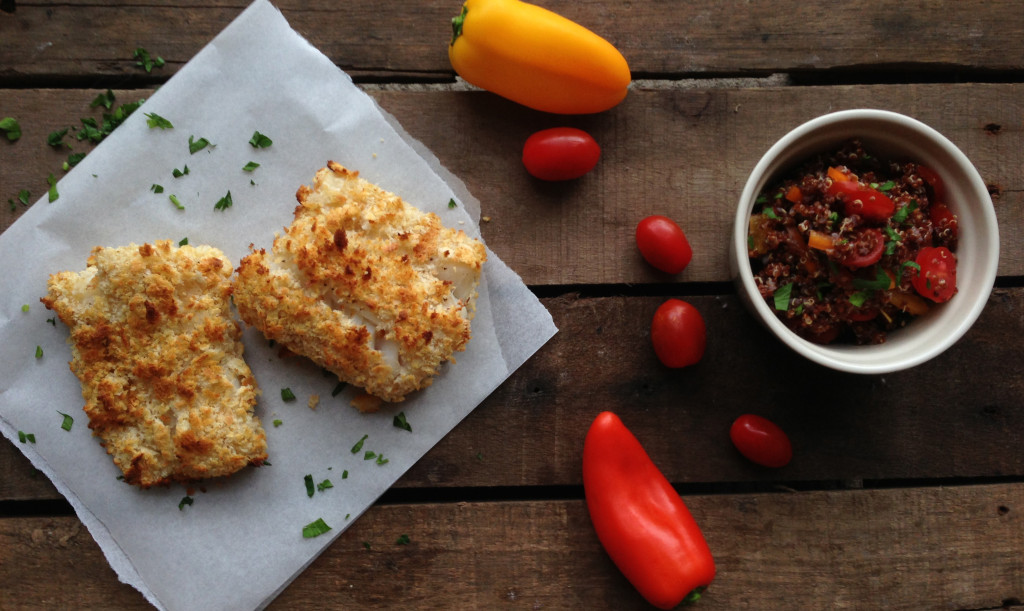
column 761, row 441
column 860, row 199
column 934, row 181
column 943, row 218
column 678, row 334
column 936, row 279
column 865, row 249
column 663, row 244
column 560, row 153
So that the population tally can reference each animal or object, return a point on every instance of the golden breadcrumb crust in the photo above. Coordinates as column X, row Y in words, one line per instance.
column 365, row 285
column 160, row 361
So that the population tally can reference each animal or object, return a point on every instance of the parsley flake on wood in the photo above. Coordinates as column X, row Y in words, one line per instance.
column 185, row 500
column 402, row 540
column 194, row 146
column 11, row 128
column 67, row 422
column 359, row 445
column 223, row 203
column 177, row 203
column 260, row 141
column 155, row 120
column 146, row 62
column 52, row 194
column 73, row 160
column 56, row 139
column 287, row 394
column 249, row 167
column 315, row 529
column 401, row 422
column 106, row 100
column 308, row 479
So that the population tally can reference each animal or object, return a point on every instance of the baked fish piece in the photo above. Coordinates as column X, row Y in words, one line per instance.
column 365, row 285
column 159, row 357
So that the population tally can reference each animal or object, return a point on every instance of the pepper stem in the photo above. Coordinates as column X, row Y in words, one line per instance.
column 694, row 595
column 457, row 24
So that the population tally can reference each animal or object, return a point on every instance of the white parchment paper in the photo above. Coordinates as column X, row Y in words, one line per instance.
column 240, row 543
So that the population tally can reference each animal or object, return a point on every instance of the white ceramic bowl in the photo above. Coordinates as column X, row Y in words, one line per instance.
column 894, row 136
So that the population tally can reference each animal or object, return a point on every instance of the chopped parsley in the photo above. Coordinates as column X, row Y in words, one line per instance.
column 23, row 196
column 155, row 120
column 381, row 460
column 401, row 422
column 905, row 265
column 39, row 352
column 260, row 141
column 11, row 128
column 324, row 485
column 770, row 213
column 183, row 242
column 359, row 445
column 402, row 540
column 895, row 239
column 67, row 422
column 308, row 479
column 25, row 308
column 900, row 216
column 52, row 321
column 194, row 146
column 315, row 529
column 52, row 192
column 24, row 437
column 249, row 167
column 146, row 62
column 106, row 100
column 179, row 173
column 880, row 283
column 177, row 203
column 185, row 500
column 223, row 203
column 155, row 188
column 73, row 160
column 886, row 186
column 369, row 455
column 452, row 204
column 859, row 298
column 287, row 394
column 56, row 139
column 782, row 296
column 344, row 474
column 277, row 423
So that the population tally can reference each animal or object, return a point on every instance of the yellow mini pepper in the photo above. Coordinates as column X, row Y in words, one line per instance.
column 537, row 58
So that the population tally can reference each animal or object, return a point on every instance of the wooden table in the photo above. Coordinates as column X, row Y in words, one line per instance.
column 906, row 491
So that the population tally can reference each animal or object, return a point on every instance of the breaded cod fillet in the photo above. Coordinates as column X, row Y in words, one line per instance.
column 365, row 285
column 160, row 361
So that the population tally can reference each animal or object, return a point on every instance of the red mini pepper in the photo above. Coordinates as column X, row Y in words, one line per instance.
column 640, row 519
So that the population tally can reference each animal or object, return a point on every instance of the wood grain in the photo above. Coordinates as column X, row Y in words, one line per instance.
column 54, row 41
column 685, row 153
column 914, row 425
column 903, row 549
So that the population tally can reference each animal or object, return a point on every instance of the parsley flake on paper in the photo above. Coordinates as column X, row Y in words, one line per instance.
column 308, row 479
column 223, row 203
column 359, row 445
column 194, row 146
column 249, row 167
column 25, row 308
column 155, row 188
column 260, row 141
column 315, row 529
column 401, row 423
column 324, row 485
column 155, row 120
column 287, row 394
column 39, row 352
column 179, row 173
column 177, row 203
column 186, row 500
column 24, row 437
column 183, row 242
column 67, row 422
column 11, row 128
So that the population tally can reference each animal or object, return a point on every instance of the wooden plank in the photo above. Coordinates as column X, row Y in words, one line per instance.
column 917, row 548
column 924, row 423
column 61, row 40
column 681, row 152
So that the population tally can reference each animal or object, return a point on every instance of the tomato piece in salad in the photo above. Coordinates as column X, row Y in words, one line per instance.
column 936, row 278
column 862, row 200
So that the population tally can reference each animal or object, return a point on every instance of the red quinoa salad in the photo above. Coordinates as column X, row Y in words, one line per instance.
column 849, row 246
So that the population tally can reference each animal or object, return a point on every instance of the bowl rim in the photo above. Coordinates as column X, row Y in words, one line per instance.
column 811, row 137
